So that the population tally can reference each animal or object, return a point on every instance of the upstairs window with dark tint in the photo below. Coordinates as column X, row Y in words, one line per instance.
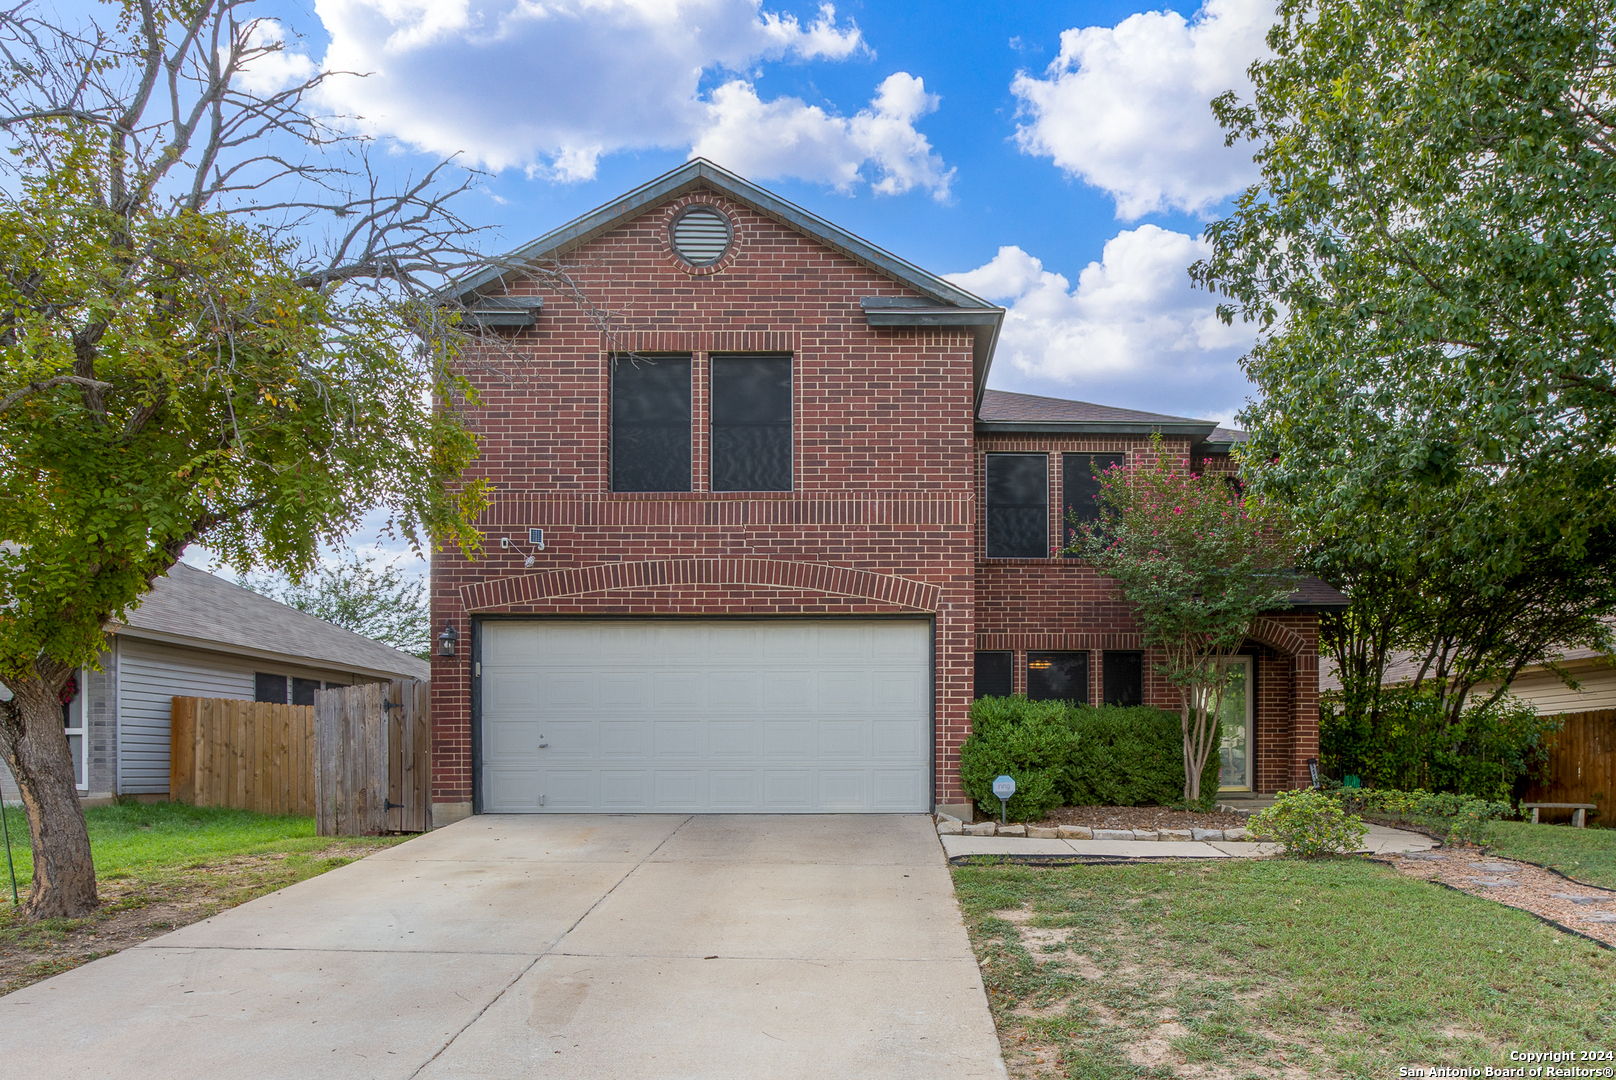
column 271, row 688
column 1058, row 676
column 751, row 423
column 1123, row 674
column 1018, row 506
column 994, row 675
column 651, row 423
column 1080, row 486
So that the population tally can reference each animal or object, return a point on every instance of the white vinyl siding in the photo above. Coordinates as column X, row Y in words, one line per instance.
column 671, row 716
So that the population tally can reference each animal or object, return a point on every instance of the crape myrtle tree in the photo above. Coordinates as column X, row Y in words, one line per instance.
column 1198, row 560
column 1428, row 257
column 218, row 323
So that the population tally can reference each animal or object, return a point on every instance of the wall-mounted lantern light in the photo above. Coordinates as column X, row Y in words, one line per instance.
column 447, row 639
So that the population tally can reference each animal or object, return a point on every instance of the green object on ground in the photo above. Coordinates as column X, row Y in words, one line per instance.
column 1585, row 854
column 1241, row 967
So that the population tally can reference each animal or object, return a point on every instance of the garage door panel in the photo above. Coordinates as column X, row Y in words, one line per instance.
column 721, row 717
column 732, row 739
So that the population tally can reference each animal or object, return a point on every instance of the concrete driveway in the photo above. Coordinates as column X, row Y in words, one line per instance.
column 621, row 947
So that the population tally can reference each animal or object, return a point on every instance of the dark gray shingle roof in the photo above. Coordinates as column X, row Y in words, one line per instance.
column 217, row 614
column 1003, row 406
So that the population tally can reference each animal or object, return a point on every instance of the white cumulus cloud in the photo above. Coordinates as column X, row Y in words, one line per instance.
column 1128, row 108
column 552, row 85
column 786, row 137
column 1133, row 333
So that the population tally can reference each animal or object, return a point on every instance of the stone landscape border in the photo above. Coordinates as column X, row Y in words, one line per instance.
column 952, row 826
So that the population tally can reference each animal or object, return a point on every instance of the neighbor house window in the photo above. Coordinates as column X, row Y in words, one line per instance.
column 651, row 423
column 271, row 688
column 303, row 691
column 1058, row 676
column 1123, row 675
column 751, row 423
column 1080, row 486
column 1018, row 506
column 994, row 674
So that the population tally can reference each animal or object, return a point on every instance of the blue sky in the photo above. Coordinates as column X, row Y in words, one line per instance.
column 1061, row 159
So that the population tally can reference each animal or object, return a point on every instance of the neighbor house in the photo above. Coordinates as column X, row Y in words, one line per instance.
column 759, row 533
column 197, row 635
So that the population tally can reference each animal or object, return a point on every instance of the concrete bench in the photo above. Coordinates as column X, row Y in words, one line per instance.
column 1579, row 810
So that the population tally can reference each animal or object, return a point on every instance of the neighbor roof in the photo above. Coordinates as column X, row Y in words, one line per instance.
column 193, row 607
column 1003, row 411
column 698, row 173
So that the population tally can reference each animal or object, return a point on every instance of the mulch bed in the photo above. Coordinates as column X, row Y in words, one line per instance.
column 1141, row 817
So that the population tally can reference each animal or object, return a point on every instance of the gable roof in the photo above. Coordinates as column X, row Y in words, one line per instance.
column 1003, row 411
column 950, row 304
column 192, row 607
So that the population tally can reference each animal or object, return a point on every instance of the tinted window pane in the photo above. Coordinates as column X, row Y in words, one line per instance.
column 651, row 424
column 993, row 675
column 751, row 423
column 1058, row 676
column 268, row 687
column 303, row 691
column 1080, row 484
column 1124, row 675
column 1018, row 506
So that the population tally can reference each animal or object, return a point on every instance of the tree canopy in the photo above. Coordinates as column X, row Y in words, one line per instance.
column 1428, row 256
column 359, row 593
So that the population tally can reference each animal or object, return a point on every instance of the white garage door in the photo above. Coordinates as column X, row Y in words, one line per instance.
column 781, row 716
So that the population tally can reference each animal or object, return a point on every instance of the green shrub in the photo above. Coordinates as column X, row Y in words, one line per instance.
column 1080, row 755
column 1309, row 823
column 1462, row 817
column 1131, row 757
column 1031, row 741
column 1408, row 744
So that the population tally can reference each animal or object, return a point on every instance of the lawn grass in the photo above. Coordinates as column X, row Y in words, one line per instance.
column 136, row 839
column 1269, row 968
column 160, row 866
column 1585, row 854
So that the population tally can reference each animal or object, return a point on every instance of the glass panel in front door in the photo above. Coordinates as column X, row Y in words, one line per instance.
column 1234, row 717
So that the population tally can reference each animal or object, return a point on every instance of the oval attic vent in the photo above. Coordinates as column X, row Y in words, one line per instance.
column 701, row 235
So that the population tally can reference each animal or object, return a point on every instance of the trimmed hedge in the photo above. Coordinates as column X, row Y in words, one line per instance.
column 1075, row 755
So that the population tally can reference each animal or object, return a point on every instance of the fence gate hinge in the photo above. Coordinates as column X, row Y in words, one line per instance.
column 391, row 704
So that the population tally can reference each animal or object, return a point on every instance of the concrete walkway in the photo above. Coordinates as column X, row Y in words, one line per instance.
column 646, row 947
column 1379, row 841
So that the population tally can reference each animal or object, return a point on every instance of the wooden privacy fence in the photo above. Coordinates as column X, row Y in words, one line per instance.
column 1582, row 765
column 373, row 766
column 358, row 760
column 248, row 754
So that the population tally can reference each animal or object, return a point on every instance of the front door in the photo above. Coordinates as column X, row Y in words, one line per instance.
column 1234, row 726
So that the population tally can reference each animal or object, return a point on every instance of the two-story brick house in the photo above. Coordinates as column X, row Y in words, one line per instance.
column 787, row 534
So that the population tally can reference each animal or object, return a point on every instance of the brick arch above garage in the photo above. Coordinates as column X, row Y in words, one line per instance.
column 884, row 589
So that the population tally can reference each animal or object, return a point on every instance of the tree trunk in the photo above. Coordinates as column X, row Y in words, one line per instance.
column 31, row 736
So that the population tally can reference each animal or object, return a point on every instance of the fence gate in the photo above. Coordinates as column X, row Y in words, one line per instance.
column 372, row 759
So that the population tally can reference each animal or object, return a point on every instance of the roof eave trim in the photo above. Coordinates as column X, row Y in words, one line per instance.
column 1196, row 432
column 230, row 649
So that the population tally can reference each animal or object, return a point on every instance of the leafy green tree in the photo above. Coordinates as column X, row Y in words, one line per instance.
column 380, row 601
column 1428, row 257
column 217, row 325
column 1197, row 561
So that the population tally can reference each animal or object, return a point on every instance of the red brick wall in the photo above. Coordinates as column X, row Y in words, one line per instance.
column 1064, row 604
column 882, row 463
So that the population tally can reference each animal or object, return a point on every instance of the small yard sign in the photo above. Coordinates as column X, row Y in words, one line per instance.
column 1004, row 787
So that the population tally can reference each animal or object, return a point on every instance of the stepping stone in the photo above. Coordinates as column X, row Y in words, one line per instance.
column 1493, row 867
column 1494, row 883
column 1575, row 899
column 1602, row 917
column 1426, row 856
